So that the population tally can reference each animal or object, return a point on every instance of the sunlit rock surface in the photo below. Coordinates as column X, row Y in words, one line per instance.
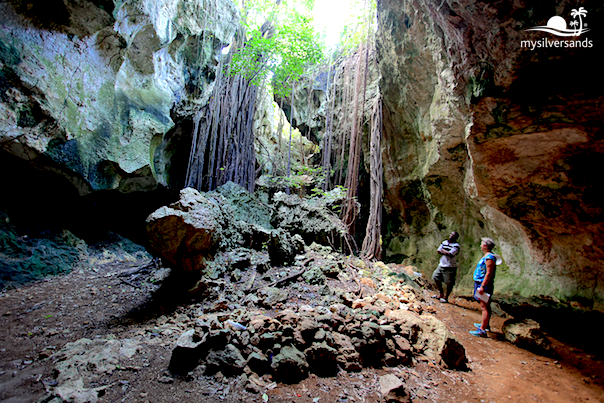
column 93, row 89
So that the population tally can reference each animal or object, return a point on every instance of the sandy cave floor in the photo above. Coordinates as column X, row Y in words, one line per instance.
column 39, row 319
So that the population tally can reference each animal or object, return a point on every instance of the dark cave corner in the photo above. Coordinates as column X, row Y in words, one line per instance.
column 44, row 219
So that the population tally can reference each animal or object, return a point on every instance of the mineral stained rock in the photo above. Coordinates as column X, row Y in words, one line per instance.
column 93, row 93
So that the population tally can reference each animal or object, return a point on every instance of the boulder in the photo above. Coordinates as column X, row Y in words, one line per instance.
column 283, row 247
column 188, row 231
column 347, row 356
column 270, row 296
column 258, row 362
column 322, row 359
column 290, row 365
column 229, row 360
column 246, row 207
column 308, row 217
column 392, row 389
column 314, row 275
column 186, row 353
column 430, row 337
column 526, row 334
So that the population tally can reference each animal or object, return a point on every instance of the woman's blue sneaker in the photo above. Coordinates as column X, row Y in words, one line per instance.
column 478, row 333
column 478, row 325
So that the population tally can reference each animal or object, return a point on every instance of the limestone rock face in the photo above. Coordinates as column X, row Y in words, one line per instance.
column 91, row 93
column 482, row 136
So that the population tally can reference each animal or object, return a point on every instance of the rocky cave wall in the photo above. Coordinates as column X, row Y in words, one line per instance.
column 91, row 90
column 490, row 138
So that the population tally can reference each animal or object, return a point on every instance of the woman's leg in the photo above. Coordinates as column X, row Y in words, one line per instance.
column 486, row 314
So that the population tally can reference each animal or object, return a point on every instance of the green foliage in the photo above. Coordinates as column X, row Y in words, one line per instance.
column 304, row 176
column 280, row 43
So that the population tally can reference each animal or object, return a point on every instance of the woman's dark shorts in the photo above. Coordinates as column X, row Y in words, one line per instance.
column 489, row 289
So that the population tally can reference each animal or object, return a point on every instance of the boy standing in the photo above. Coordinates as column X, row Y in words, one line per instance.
column 447, row 267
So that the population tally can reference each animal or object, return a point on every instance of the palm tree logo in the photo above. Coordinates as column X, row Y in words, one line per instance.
column 557, row 25
column 581, row 12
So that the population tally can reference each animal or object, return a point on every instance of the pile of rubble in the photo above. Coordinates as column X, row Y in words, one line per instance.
column 255, row 323
column 289, row 344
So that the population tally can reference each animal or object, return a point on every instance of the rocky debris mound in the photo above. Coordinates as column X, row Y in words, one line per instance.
column 275, row 309
column 526, row 334
column 290, row 343
column 190, row 232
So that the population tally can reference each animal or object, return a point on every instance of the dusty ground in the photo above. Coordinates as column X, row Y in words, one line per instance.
column 39, row 319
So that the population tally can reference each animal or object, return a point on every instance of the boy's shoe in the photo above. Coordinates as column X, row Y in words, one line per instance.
column 478, row 325
column 478, row 333
column 444, row 301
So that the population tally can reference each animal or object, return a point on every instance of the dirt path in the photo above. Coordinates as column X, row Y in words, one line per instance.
column 500, row 372
column 39, row 319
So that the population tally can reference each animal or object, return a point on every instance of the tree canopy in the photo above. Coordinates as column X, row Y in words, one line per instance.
column 280, row 43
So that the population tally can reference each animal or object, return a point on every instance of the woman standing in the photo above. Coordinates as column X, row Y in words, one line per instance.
column 484, row 277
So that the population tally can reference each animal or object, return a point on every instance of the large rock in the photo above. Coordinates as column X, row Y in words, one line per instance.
column 186, row 353
column 270, row 296
column 308, row 217
column 290, row 365
column 188, row 231
column 430, row 337
column 246, row 206
column 322, row 359
column 526, row 334
column 347, row 356
column 393, row 389
column 229, row 360
column 284, row 247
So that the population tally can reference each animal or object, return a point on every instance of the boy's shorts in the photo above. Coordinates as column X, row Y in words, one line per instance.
column 445, row 275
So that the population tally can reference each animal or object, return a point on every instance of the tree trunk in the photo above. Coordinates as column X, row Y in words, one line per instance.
column 372, row 246
column 289, row 151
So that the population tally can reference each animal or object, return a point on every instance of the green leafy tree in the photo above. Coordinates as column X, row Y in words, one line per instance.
column 280, row 43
